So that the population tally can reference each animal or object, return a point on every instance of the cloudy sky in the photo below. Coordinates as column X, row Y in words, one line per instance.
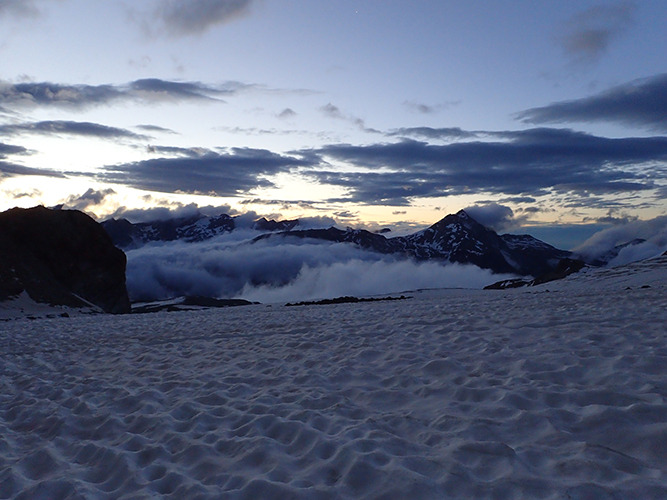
column 548, row 115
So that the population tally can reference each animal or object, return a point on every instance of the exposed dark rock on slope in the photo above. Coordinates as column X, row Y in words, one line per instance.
column 199, row 227
column 61, row 257
column 564, row 268
column 125, row 234
column 456, row 238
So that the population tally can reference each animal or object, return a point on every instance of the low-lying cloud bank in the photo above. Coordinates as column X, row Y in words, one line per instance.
column 653, row 231
column 286, row 269
column 361, row 278
column 283, row 269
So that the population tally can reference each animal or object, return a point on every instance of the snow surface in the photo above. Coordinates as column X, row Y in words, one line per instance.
column 556, row 391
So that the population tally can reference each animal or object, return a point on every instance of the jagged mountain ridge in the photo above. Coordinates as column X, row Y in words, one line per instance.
column 456, row 238
column 199, row 227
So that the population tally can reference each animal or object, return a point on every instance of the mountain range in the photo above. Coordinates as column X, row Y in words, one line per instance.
column 456, row 238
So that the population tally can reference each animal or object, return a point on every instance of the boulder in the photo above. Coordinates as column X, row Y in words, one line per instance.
column 61, row 257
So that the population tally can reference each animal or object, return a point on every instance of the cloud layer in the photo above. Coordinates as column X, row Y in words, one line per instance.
column 192, row 17
column 230, row 173
column 587, row 35
column 653, row 231
column 75, row 97
column 282, row 269
column 65, row 127
column 530, row 162
column 639, row 103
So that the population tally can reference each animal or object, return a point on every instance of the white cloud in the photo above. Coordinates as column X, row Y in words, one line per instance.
column 653, row 231
column 282, row 269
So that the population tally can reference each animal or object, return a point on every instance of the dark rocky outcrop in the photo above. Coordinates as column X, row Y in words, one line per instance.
column 347, row 299
column 564, row 268
column 61, row 257
column 189, row 303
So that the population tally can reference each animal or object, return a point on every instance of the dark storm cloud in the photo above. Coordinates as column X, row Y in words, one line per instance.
column 192, row 17
column 638, row 103
column 447, row 133
column 225, row 174
column 59, row 127
column 587, row 35
column 528, row 163
column 148, row 90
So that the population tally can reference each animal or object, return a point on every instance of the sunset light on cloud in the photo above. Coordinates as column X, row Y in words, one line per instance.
column 551, row 115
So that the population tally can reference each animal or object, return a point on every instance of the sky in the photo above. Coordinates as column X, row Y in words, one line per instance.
column 540, row 116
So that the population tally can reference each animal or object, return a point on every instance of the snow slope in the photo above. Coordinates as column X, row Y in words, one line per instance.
column 556, row 391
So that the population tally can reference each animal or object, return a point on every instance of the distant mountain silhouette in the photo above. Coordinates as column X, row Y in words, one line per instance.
column 456, row 238
column 199, row 227
column 60, row 257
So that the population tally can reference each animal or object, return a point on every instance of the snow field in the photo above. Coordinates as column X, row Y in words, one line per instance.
column 523, row 393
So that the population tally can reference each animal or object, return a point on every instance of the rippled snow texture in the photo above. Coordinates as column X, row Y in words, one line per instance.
column 461, row 394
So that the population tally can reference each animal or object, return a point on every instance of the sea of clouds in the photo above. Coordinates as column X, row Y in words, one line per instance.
column 283, row 269
column 280, row 269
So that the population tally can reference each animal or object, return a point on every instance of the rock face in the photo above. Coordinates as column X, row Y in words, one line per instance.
column 61, row 257
column 127, row 235
column 456, row 238
column 564, row 268
column 199, row 227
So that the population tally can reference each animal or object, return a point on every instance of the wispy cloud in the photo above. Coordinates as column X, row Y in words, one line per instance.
column 586, row 36
column 192, row 17
column 19, row 8
column 287, row 113
column 147, row 91
column 446, row 133
column 156, row 128
column 638, row 103
column 60, row 127
column 332, row 111
column 428, row 109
